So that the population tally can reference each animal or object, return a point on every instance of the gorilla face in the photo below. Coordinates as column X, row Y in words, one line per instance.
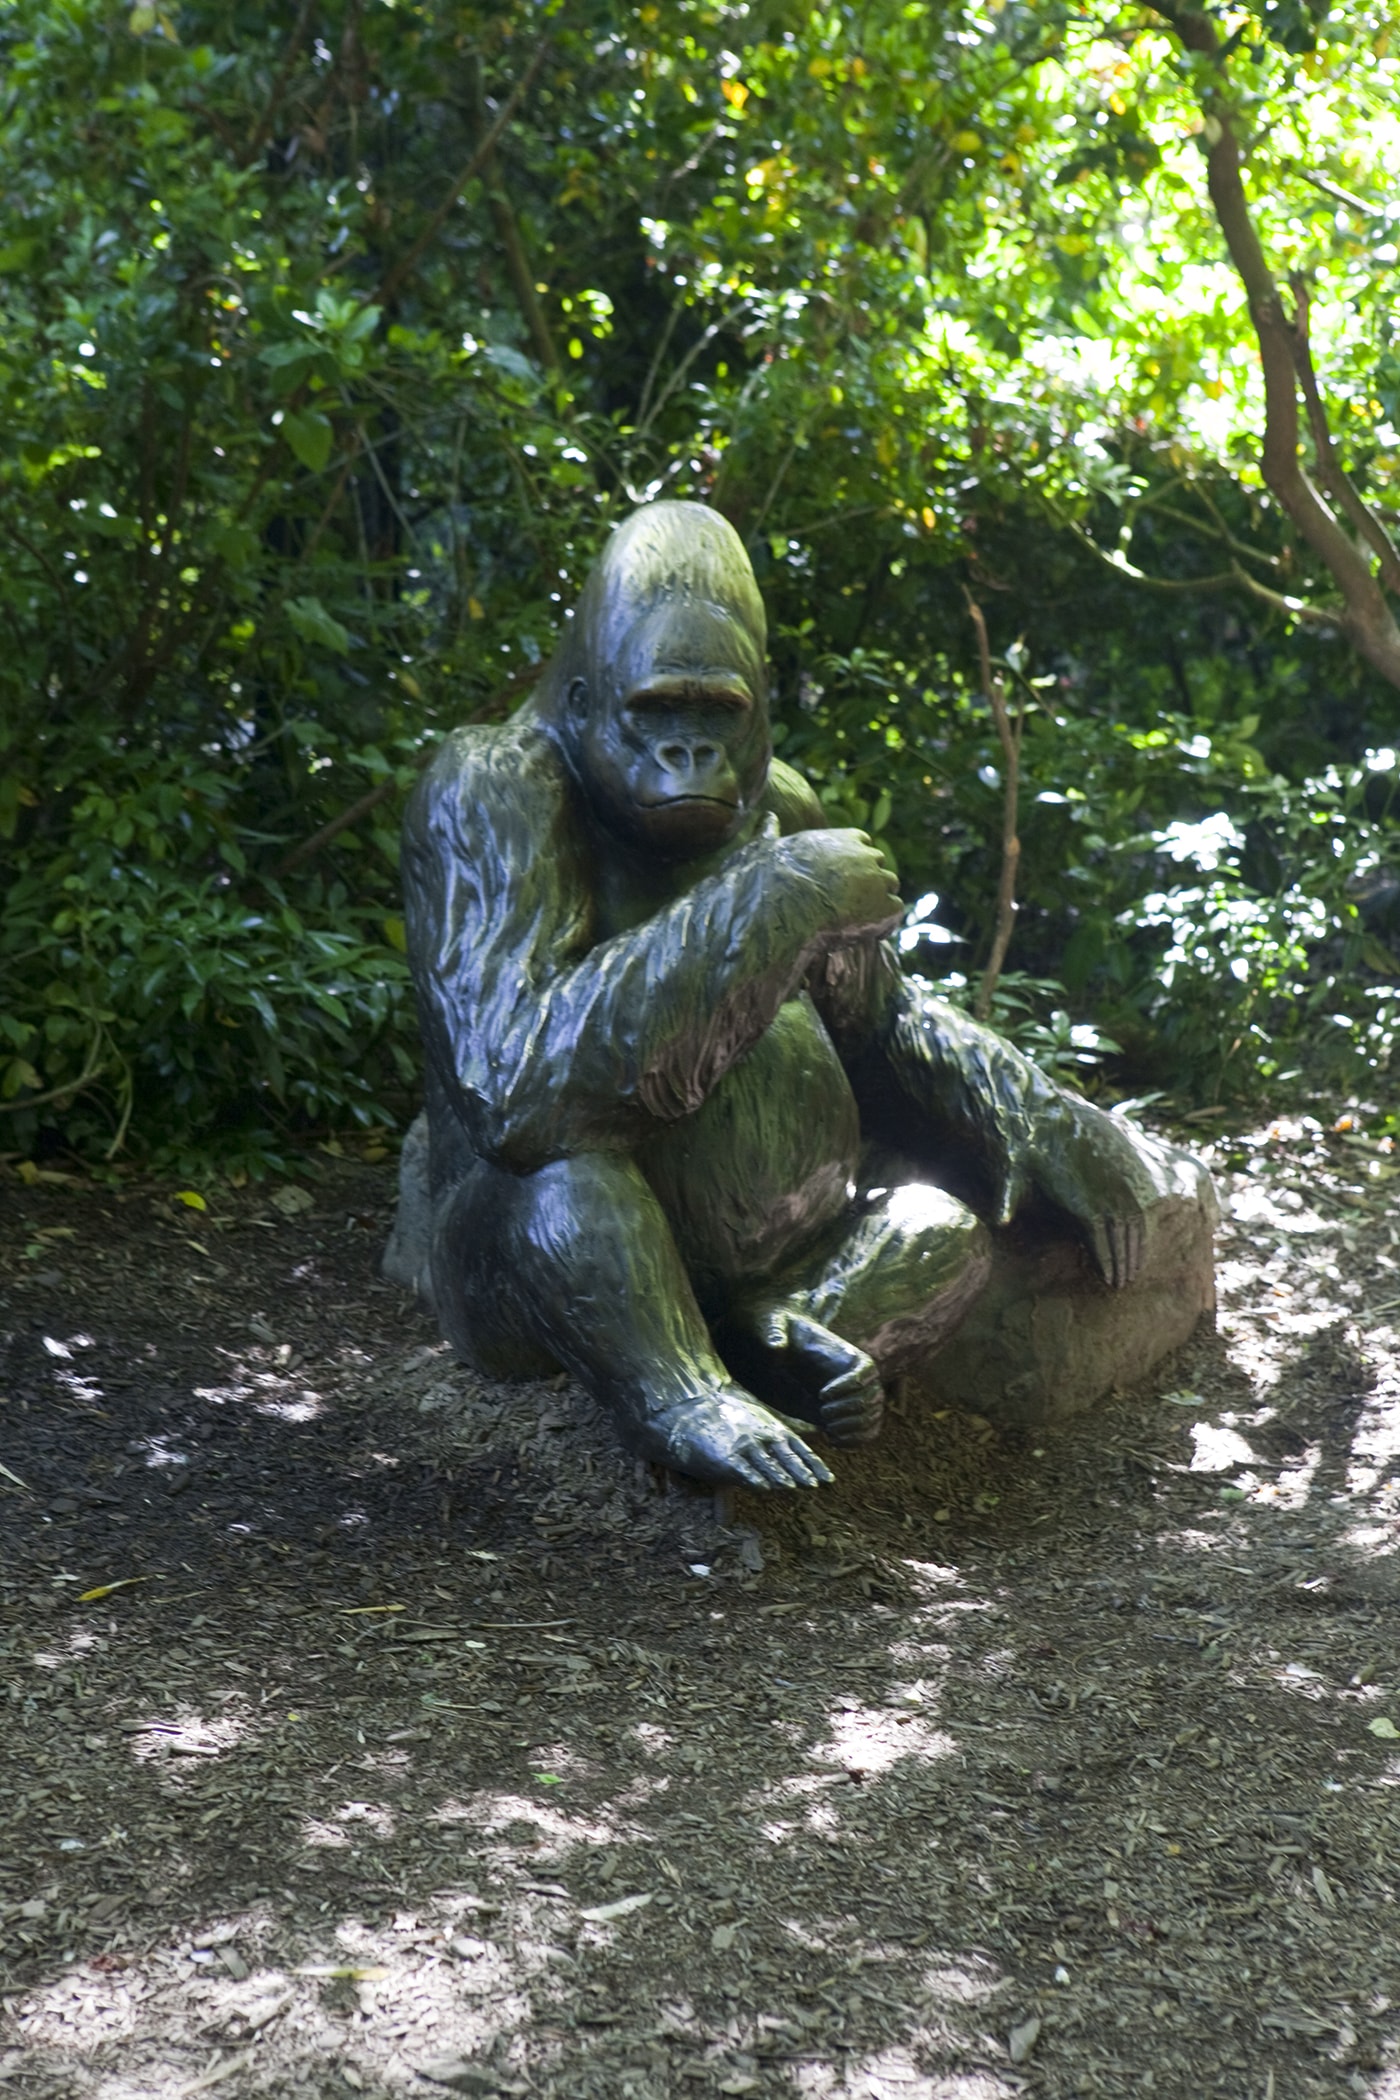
column 671, row 736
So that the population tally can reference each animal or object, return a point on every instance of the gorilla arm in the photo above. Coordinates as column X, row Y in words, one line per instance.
column 545, row 1045
column 981, row 1102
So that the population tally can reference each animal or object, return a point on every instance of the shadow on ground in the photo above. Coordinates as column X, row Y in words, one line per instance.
column 419, row 1743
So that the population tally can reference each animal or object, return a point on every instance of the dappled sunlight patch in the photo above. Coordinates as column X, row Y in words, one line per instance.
column 1190, row 1538
column 556, row 1762
column 1217, row 1447
column 1375, row 1443
column 525, row 1818
column 187, row 1735
column 353, row 1820
column 960, row 1980
column 655, row 1741
column 82, row 2009
column 80, row 1643
column 92, row 2006
column 1280, row 1210
column 945, row 1617
column 1374, row 1541
column 812, row 1935
column 869, row 1740
column 304, row 1407
column 932, row 1579
column 1297, row 1677
column 225, row 1395
column 321, row 1836
column 160, row 1452
column 1290, row 1489
column 893, row 2074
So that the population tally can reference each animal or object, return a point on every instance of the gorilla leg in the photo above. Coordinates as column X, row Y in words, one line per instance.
column 575, row 1265
column 893, row 1287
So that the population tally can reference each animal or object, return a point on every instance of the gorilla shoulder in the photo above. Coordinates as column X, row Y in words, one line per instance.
column 793, row 801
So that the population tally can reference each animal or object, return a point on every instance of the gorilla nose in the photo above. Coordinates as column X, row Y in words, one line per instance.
column 692, row 763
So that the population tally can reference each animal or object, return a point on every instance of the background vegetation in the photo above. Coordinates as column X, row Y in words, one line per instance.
column 332, row 342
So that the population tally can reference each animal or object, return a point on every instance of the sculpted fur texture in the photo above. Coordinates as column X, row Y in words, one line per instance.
column 693, row 1137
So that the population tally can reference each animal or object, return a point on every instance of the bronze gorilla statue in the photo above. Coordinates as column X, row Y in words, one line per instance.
column 675, row 1079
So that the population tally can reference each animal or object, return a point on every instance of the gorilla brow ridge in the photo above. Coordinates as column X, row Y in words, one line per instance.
column 666, row 552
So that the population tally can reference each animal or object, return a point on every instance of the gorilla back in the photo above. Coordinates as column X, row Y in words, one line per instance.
column 657, row 1015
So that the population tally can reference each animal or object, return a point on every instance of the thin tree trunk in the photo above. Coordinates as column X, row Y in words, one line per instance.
column 395, row 279
column 522, row 276
column 1365, row 616
column 1010, row 738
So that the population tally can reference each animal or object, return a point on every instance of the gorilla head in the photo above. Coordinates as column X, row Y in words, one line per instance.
column 658, row 692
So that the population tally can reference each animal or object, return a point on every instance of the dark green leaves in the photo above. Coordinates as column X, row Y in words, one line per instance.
column 310, row 436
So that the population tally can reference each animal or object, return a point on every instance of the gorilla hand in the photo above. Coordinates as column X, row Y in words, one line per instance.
column 840, row 1387
column 727, row 1438
column 1106, row 1174
column 856, row 882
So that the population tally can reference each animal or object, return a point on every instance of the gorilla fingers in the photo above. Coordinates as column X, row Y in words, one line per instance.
column 727, row 1438
column 856, row 881
column 821, row 1377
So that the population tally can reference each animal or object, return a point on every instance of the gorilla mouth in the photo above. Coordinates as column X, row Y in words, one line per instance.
column 690, row 802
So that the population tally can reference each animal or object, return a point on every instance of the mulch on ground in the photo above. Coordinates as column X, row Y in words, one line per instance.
column 372, row 1730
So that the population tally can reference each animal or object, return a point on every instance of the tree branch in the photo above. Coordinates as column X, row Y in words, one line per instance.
column 1121, row 566
column 1365, row 618
column 258, row 136
column 508, row 233
column 395, row 278
column 702, row 342
column 1330, row 471
column 374, row 797
column 1341, row 196
column 995, row 692
column 1308, row 615
column 1218, row 530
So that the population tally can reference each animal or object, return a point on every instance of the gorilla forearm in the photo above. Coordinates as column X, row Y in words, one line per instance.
column 975, row 1098
column 970, row 1085
column 546, row 1053
column 644, row 1026
column 986, row 1113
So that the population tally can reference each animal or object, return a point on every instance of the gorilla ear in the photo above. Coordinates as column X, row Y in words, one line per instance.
column 576, row 699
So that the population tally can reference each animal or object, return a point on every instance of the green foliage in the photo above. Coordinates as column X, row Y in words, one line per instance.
column 924, row 299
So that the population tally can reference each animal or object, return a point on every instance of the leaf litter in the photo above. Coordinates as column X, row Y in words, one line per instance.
column 1013, row 1758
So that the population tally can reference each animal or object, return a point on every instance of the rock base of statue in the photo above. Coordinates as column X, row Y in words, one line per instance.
column 1045, row 1340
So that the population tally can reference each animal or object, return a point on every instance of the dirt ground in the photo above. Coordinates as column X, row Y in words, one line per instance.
column 372, row 1731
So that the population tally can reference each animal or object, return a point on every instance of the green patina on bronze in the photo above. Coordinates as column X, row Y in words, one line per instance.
column 694, row 1138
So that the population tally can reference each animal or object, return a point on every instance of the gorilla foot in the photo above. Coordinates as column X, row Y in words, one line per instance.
column 822, row 1378
column 726, row 1438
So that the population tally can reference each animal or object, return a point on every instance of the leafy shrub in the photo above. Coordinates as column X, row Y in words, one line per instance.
column 301, row 471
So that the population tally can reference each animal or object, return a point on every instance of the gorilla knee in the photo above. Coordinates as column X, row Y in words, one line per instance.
column 944, row 1232
column 569, row 1205
column 576, row 1260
